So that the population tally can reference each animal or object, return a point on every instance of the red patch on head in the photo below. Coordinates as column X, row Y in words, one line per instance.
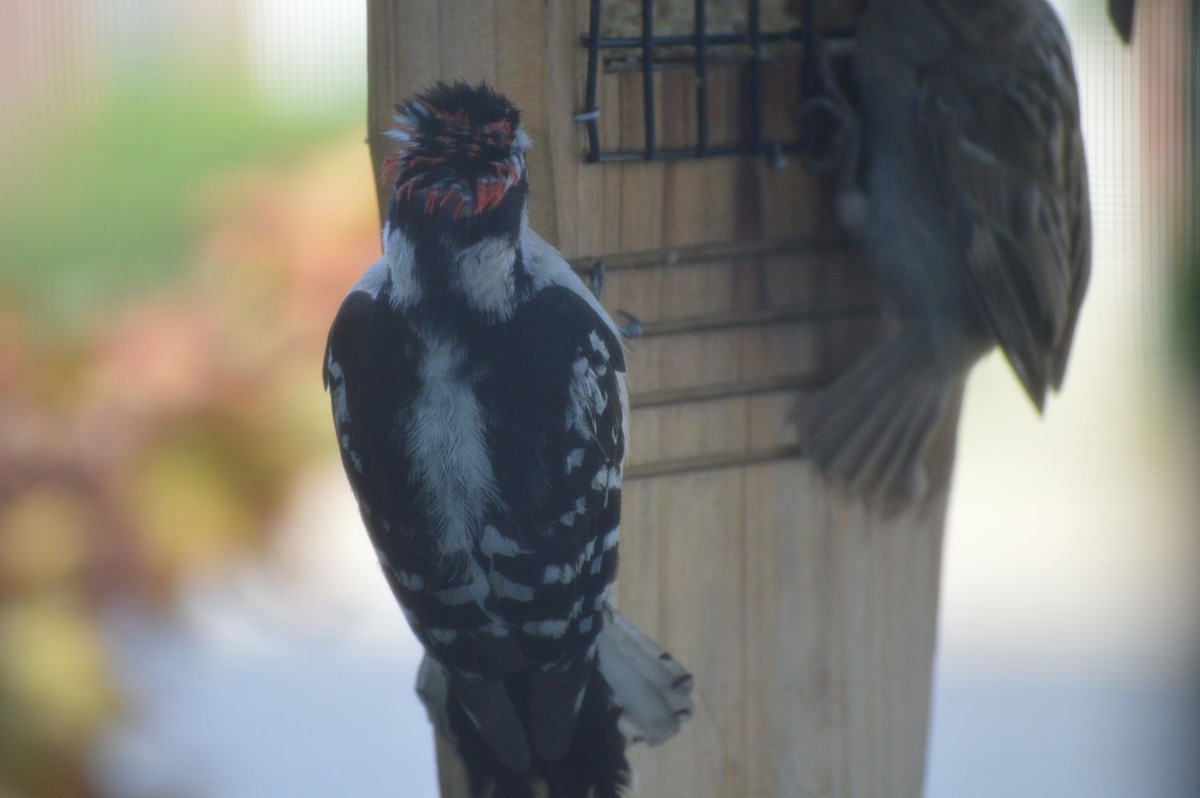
column 427, row 170
column 391, row 166
column 433, row 198
column 489, row 194
column 500, row 131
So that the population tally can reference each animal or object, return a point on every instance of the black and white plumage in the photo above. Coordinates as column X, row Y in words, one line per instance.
column 479, row 400
column 971, row 205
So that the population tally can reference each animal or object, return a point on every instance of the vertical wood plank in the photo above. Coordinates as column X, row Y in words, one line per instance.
column 790, row 703
column 701, row 561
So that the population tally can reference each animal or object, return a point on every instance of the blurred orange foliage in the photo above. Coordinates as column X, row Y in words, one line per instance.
column 163, row 439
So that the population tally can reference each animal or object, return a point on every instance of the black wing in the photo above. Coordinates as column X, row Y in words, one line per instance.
column 371, row 375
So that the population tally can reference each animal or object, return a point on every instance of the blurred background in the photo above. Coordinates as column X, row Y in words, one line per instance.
column 188, row 605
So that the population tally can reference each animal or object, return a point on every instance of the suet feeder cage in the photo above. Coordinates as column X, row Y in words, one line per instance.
column 666, row 148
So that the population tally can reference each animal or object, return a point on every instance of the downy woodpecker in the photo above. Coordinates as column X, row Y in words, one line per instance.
column 479, row 400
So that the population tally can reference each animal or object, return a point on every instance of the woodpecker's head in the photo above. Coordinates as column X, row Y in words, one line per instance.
column 464, row 159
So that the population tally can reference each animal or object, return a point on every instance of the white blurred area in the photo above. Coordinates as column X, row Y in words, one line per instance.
column 1071, row 538
column 291, row 676
column 1068, row 650
column 309, row 55
column 1069, row 656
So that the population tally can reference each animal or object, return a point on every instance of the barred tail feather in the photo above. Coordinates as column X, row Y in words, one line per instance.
column 650, row 689
column 871, row 427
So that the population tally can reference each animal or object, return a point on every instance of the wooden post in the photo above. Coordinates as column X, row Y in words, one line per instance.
column 809, row 623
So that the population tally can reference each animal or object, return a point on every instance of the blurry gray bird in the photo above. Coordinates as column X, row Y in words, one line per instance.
column 1121, row 12
column 970, row 203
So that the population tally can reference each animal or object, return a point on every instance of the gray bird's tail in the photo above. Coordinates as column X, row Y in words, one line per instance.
column 871, row 427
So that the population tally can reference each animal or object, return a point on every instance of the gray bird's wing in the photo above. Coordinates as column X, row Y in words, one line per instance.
column 1005, row 155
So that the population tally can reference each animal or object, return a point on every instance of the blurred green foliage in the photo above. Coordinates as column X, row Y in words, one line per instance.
column 168, row 268
column 108, row 206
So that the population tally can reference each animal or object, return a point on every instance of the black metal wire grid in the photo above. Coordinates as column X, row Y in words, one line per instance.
column 755, row 39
